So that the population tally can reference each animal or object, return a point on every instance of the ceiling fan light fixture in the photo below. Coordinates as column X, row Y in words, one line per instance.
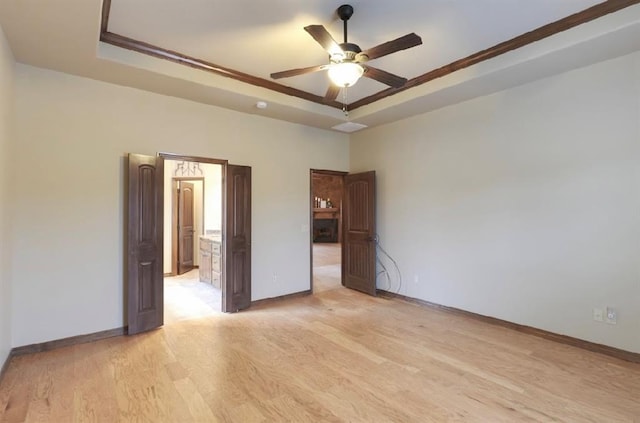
column 345, row 74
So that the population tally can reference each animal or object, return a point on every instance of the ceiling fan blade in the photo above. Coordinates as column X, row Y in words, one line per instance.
column 402, row 43
column 332, row 92
column 385, row 77
column 295, row 72
column 322, row 36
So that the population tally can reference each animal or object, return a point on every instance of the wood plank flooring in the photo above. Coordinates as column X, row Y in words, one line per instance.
column 335, row 356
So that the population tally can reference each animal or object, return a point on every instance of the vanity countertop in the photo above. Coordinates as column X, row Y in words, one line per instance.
column 212, row 238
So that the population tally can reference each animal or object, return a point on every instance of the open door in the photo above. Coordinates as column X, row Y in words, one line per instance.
column 359, row 223
column 185, row 227
column 144, row 243
column 236, row 293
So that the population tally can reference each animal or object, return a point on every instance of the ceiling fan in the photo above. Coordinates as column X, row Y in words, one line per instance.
column 347, row 60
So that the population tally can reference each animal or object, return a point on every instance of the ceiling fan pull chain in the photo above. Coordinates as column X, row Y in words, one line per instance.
column 344, row 102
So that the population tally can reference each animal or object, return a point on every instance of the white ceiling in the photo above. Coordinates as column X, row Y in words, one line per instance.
column 260, row 37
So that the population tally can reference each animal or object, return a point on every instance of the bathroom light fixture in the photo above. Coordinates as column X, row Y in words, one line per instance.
column 187, row 168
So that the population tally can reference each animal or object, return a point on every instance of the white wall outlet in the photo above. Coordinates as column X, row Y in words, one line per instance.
column 416, row 279
column 274, row 277
column 598, row 315
column 612, row 316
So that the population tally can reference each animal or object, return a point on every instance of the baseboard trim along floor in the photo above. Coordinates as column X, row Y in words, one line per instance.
column 563, row 339
column 280, row 298
column 66, row 342
column 96, row 336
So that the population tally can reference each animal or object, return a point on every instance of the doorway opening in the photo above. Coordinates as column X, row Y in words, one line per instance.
column 327, row 193
column 193, row 230
column 144, row 258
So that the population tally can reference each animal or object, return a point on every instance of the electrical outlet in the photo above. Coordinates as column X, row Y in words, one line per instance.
column 416, row 279
column 612, row 316
column 598, row 315
column 274, row 277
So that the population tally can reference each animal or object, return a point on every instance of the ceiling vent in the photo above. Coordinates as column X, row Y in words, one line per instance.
column 349, row 127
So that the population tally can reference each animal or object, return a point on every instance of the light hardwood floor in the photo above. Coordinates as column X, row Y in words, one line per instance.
column 337, row 355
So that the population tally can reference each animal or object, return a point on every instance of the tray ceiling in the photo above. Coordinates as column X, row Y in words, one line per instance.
column 256, row 38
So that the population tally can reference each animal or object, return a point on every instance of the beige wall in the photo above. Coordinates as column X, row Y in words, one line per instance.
column 69, row 213
column 523, row 205
column 7, row 66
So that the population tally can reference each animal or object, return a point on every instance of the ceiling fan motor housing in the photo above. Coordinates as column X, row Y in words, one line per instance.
column 345, row 12
column 350, row 50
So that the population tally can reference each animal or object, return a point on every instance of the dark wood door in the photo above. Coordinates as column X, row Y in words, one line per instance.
column 144, row 243
column 236, row 292
column 185, row 227
column 359, row 222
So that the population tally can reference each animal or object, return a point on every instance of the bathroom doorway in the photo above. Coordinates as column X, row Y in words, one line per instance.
column 192, row 219
column 145, row 236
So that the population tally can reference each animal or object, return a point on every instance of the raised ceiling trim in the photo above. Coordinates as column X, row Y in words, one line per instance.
column 104, row 21
column 571, row 21
column 183, row 59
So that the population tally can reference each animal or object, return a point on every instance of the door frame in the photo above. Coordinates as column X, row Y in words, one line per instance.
column 321, row 172
column 207, row 160
column 144, row 246
column 174, row 216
